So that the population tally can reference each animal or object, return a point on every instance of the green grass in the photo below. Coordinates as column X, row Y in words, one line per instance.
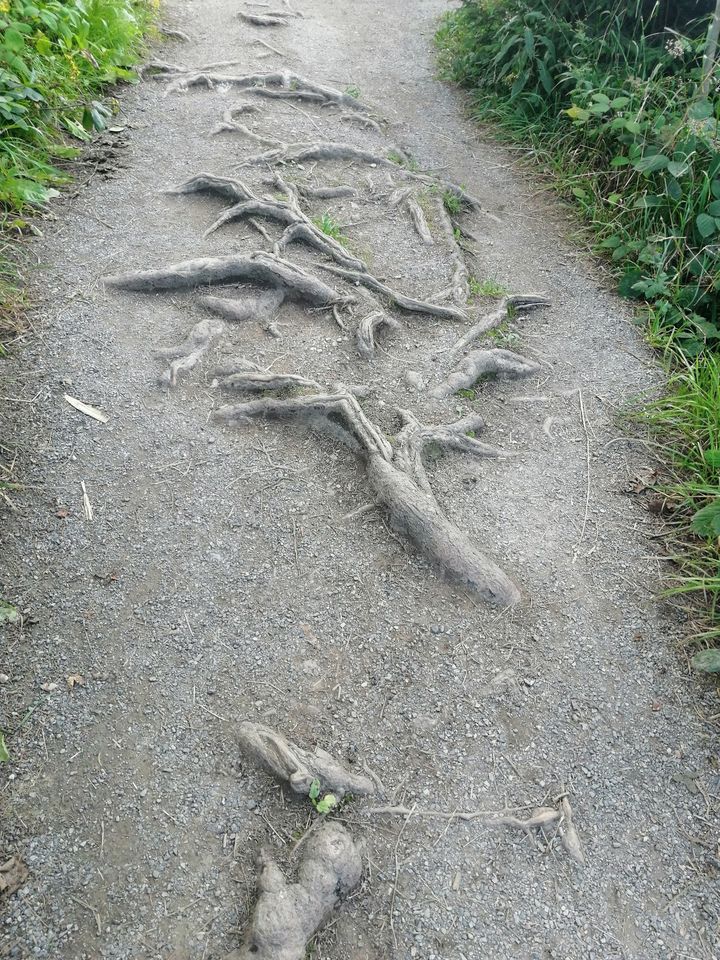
column 331, row 228
column 608, row 102
column 486, row 288
column 56, row 59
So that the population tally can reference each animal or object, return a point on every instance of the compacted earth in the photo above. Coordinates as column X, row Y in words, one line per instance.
column 187, row 563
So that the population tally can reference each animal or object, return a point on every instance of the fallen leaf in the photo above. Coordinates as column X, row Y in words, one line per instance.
column 4, row 754
column 48, row 687
column 86, row 409
column 13, row 874
column 75, row 680
column 62, row 513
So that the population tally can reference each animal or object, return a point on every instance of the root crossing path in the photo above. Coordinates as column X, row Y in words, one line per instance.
column 319, row 502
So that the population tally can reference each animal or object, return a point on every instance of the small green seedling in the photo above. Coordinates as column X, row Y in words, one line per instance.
column 452, row 202
column 4, row 753
column 353, row 91
column 330, row 227
column 466, row 394
column 326, row 804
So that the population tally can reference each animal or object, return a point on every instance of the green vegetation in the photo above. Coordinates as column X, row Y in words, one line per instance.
column 452, row 202
column 330, row 227
column 55, row 59
column 619, row 102
column 486, row 288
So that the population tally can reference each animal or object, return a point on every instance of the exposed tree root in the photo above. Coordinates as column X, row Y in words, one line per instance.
column 369, row 327
column 419, row 221
column 326, row 193
column 229, row 123
column 262, row 309
column 295, row 766
column 173, row 34
column 287, row 915
column 517, row 303
column 399, row 299
column 186, row 355
column 328, row 150
column 289, row 212
column 541, row 821
column 260, row 267
column 460, row 285
column 480, row 363
column 283, row 82
column 364, row 121
column 264, row 19
column 261, row 382
column 398, row 479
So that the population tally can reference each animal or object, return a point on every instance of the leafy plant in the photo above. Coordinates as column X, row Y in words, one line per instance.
column 330, row 227
column 707, row 660
column 452, row 202
column 324, row 804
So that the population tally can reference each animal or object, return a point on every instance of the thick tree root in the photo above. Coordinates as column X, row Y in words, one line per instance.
column 398, row 480
column 326, row 193
column 186, row 355
column 284, row 82
column 287, row 915
column 264, row 20
column 260, row 268
column 480, row 363
column 369, row 327
column 460, row 283
column 399, row 299
column 289, row 212
column 229, row 124
column 260, row 382
column 508, row 306
column 297, row 767
column 419, row 221
column 328, row 150
column 262, row 309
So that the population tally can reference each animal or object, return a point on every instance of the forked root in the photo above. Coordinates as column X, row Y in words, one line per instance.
column 419, row 221
column 287, row 915
column 479, row 363
column 508, row 306
column 299, row 768
column 397, row 479
column 186, row 355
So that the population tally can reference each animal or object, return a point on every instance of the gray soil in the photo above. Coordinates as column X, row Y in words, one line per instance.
column 220, row 581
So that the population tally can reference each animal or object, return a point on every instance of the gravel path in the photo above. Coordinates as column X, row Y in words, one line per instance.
column 220, row 578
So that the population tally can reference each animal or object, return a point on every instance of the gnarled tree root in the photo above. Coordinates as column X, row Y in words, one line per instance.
column 460, row 284
column 186, row 355
column 297, row 767
column 262, row 309
column 284, row 82
column 260, row 267
column 508, row 306
column 299, row 227
column 329, row 150
column 369, row 326
column 287, row 915
column 398, row 480
column 399, row 299
column 480, row 363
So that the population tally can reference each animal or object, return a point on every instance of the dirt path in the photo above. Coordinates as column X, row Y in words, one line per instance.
column 220, row 578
